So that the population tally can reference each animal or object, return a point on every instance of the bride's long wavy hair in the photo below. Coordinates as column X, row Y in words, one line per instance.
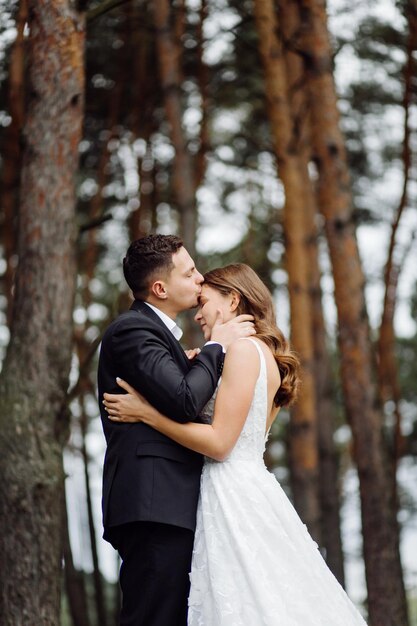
column 256, row 300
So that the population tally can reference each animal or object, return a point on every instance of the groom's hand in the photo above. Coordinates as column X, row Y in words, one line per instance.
column 227, row 332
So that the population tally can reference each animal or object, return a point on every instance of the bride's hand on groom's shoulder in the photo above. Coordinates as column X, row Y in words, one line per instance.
column 127, row 407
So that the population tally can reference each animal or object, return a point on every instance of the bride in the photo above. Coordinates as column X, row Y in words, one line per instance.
column 254, row 563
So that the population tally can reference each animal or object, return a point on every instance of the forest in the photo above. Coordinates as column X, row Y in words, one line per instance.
column 278, row 133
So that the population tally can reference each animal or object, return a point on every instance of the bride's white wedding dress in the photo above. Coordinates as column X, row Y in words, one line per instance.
column 254, row 563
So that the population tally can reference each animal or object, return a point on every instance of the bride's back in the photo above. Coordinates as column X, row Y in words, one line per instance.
column 250, row 445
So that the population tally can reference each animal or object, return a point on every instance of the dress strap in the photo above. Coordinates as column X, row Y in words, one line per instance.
column 260, row 352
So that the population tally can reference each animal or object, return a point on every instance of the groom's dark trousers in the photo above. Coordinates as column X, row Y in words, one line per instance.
column 150, row 483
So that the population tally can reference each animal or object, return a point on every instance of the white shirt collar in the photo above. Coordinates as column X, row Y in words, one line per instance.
column 169, row 323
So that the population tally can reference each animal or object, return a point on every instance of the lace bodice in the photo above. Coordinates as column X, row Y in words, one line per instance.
column 251, row 442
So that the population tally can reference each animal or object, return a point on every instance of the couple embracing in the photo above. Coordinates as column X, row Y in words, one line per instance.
column 186, row 495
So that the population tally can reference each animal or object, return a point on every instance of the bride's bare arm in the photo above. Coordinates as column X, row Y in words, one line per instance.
column 216, row 440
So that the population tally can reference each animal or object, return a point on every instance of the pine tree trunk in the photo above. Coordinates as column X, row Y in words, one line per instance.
column 142, row 219
column 328, row 474
column 140, row 222
column 182, row 174
column 388, row 375
column 303, row 450
column 97, row 578
column 386, row 595
column 328, row 467
column 12, row 154
column 34, row 379
column 328, row 459
column 74, row 580
column 96, row 209
column 203, row 81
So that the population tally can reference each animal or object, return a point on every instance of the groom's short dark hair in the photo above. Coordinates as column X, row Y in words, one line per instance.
column 148, row 258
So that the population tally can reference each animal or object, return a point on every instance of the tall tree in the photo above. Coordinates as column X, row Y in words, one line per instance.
column 329, row 479
column 325, row 404
column 303, row 451
column 203, row 81
column 183, row 182
column 34, row 378
column 97, row 578
column 12, row 152
column 143, row 218
column 74, row 580
column 386, row 595
column 388, row 374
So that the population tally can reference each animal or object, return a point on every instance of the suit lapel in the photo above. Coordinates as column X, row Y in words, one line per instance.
column 143, row 308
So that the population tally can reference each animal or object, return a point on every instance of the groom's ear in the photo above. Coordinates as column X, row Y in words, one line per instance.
column 159, row 290
column 234, row 301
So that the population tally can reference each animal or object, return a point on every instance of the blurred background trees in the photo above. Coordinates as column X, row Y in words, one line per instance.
column 217, row 120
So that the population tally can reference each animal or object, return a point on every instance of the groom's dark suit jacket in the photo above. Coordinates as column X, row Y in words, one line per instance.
column 146, row 476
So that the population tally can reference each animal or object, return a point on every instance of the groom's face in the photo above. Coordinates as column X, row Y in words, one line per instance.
column 183, row 285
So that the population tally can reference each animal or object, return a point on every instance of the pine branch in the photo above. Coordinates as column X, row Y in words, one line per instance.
column 83, row 369
column 98, row 221
column 103, row 8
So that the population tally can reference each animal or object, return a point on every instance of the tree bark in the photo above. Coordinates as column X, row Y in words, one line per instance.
column 303, row 450
column 386, row 595
column 96, row 209
column 388, row 376
column 12, row 153
column 328, row 466
column 140, row 223
column 182, row 174
column 203, row 81
column 142, row 219
column 74, row 579
column 34, row 379
column 329, row 484
column 97, row 578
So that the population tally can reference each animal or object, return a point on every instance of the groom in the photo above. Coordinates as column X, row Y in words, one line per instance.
column 150, row 483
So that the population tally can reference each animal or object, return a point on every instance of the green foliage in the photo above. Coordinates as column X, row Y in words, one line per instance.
column 412, row 607
column 372, row 106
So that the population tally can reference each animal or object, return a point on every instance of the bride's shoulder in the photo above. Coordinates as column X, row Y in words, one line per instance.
column 241, row 364
column 243, row 345
column 241, row 352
